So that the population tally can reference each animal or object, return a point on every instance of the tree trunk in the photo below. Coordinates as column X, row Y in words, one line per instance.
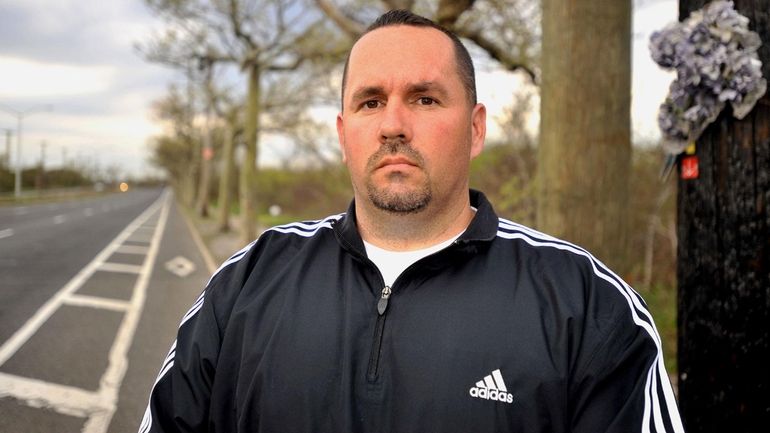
column 225, row 180
column 585, row 126
column 249, row 168
column 723, row 266
column 207, row 151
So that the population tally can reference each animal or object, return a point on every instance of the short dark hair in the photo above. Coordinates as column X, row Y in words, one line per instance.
column 404, row 17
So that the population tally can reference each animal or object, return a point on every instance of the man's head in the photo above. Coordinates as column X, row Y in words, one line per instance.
column 402, row 17
column 410, row 124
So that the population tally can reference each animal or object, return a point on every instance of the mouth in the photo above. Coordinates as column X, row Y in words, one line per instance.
column 396, row 161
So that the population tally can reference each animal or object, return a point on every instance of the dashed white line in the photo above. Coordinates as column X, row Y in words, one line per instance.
column 21, row 211
column 132, row 249
column 66, row 399
column 97, row 302
column 58, row 219
column 88, row 212
column 7, row 233
column 120, row 267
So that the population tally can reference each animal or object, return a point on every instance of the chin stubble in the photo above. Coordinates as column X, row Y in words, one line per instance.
column 402, row 203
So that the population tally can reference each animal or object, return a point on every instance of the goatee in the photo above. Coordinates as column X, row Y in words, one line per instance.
column 405, row 202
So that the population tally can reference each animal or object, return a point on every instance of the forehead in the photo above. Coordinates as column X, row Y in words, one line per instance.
column 401, row 54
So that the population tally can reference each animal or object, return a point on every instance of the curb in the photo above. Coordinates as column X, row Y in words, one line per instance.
column 208, row 258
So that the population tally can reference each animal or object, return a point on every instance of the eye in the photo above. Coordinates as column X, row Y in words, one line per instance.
column 372, row 104
column 425, row 100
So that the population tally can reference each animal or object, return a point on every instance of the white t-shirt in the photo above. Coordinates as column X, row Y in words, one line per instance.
column 393, row 263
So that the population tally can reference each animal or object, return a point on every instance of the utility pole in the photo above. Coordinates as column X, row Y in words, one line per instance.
column 723, row 265
column 20, row 114
column 40, row 176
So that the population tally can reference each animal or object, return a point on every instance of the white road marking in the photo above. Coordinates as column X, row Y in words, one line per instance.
column 88, row 211
column 180, row 266
column 99, row 406
column 21, row 211
column 97, row 302
column 7, row 233
column 132, row 249
column 66, row 399
column 58, row 219
column 120, row 267
column 140, row 239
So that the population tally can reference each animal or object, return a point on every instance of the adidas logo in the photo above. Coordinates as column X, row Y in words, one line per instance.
column 492, row 388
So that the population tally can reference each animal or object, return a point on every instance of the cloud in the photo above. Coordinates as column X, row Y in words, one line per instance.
column 25, row 78
column 71, row 31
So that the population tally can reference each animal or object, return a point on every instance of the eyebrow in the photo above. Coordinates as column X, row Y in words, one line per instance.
column 367, row 92
column 427, row 86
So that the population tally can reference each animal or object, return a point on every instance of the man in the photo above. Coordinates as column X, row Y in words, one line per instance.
column 418, row 310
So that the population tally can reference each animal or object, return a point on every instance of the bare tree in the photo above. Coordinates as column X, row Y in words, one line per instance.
column 264, row 38
column 175, row 151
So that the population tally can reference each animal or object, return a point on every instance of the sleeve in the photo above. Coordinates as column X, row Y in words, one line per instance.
column 622, row 386
column 179, row 400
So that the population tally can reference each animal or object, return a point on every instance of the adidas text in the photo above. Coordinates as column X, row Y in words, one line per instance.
column 491, row 394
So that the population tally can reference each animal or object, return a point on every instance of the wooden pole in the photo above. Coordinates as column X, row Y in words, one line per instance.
column 724, row 264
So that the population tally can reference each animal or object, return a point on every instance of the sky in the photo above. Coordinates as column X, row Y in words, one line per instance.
column 79, row 59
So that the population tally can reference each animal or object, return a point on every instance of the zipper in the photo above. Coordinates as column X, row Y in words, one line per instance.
column 374, row 357
column 382, row 309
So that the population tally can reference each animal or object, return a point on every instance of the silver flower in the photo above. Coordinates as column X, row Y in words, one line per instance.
column 715, row 56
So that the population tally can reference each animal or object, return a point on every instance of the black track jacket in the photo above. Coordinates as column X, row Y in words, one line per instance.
column 506, row 330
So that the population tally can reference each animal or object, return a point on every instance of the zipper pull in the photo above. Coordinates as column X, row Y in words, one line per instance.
column 382, row 304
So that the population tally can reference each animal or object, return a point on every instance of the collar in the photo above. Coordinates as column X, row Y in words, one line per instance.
column 482, row 229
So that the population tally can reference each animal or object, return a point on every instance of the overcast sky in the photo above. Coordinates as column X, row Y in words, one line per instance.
column 79, row 57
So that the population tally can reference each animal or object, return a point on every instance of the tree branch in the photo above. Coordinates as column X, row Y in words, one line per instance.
column 509, row 62
column 235, row 21
column 399, row 4
column 449, row 11
column 348, row 25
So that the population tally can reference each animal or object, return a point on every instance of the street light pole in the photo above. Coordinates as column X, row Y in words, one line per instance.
column 17, row 178
column 19, row 118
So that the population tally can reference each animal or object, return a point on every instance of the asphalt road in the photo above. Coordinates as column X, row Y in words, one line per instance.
column 91, row 294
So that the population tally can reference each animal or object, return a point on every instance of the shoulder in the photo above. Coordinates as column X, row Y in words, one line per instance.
column 275, row 245
column 278, row 240
column 578, row 275
column 553, row 257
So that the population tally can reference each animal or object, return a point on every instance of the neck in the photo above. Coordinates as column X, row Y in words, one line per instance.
column 412, row 231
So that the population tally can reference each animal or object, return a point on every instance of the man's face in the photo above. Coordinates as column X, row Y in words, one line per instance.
column 407, row 131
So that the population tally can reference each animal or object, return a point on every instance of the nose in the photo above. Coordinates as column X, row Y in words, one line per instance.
column 395, row 122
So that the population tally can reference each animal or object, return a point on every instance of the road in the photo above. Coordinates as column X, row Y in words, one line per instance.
column 91, row 294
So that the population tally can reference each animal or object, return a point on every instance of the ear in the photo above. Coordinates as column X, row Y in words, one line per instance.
column 478, row 129
column 341, row 135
